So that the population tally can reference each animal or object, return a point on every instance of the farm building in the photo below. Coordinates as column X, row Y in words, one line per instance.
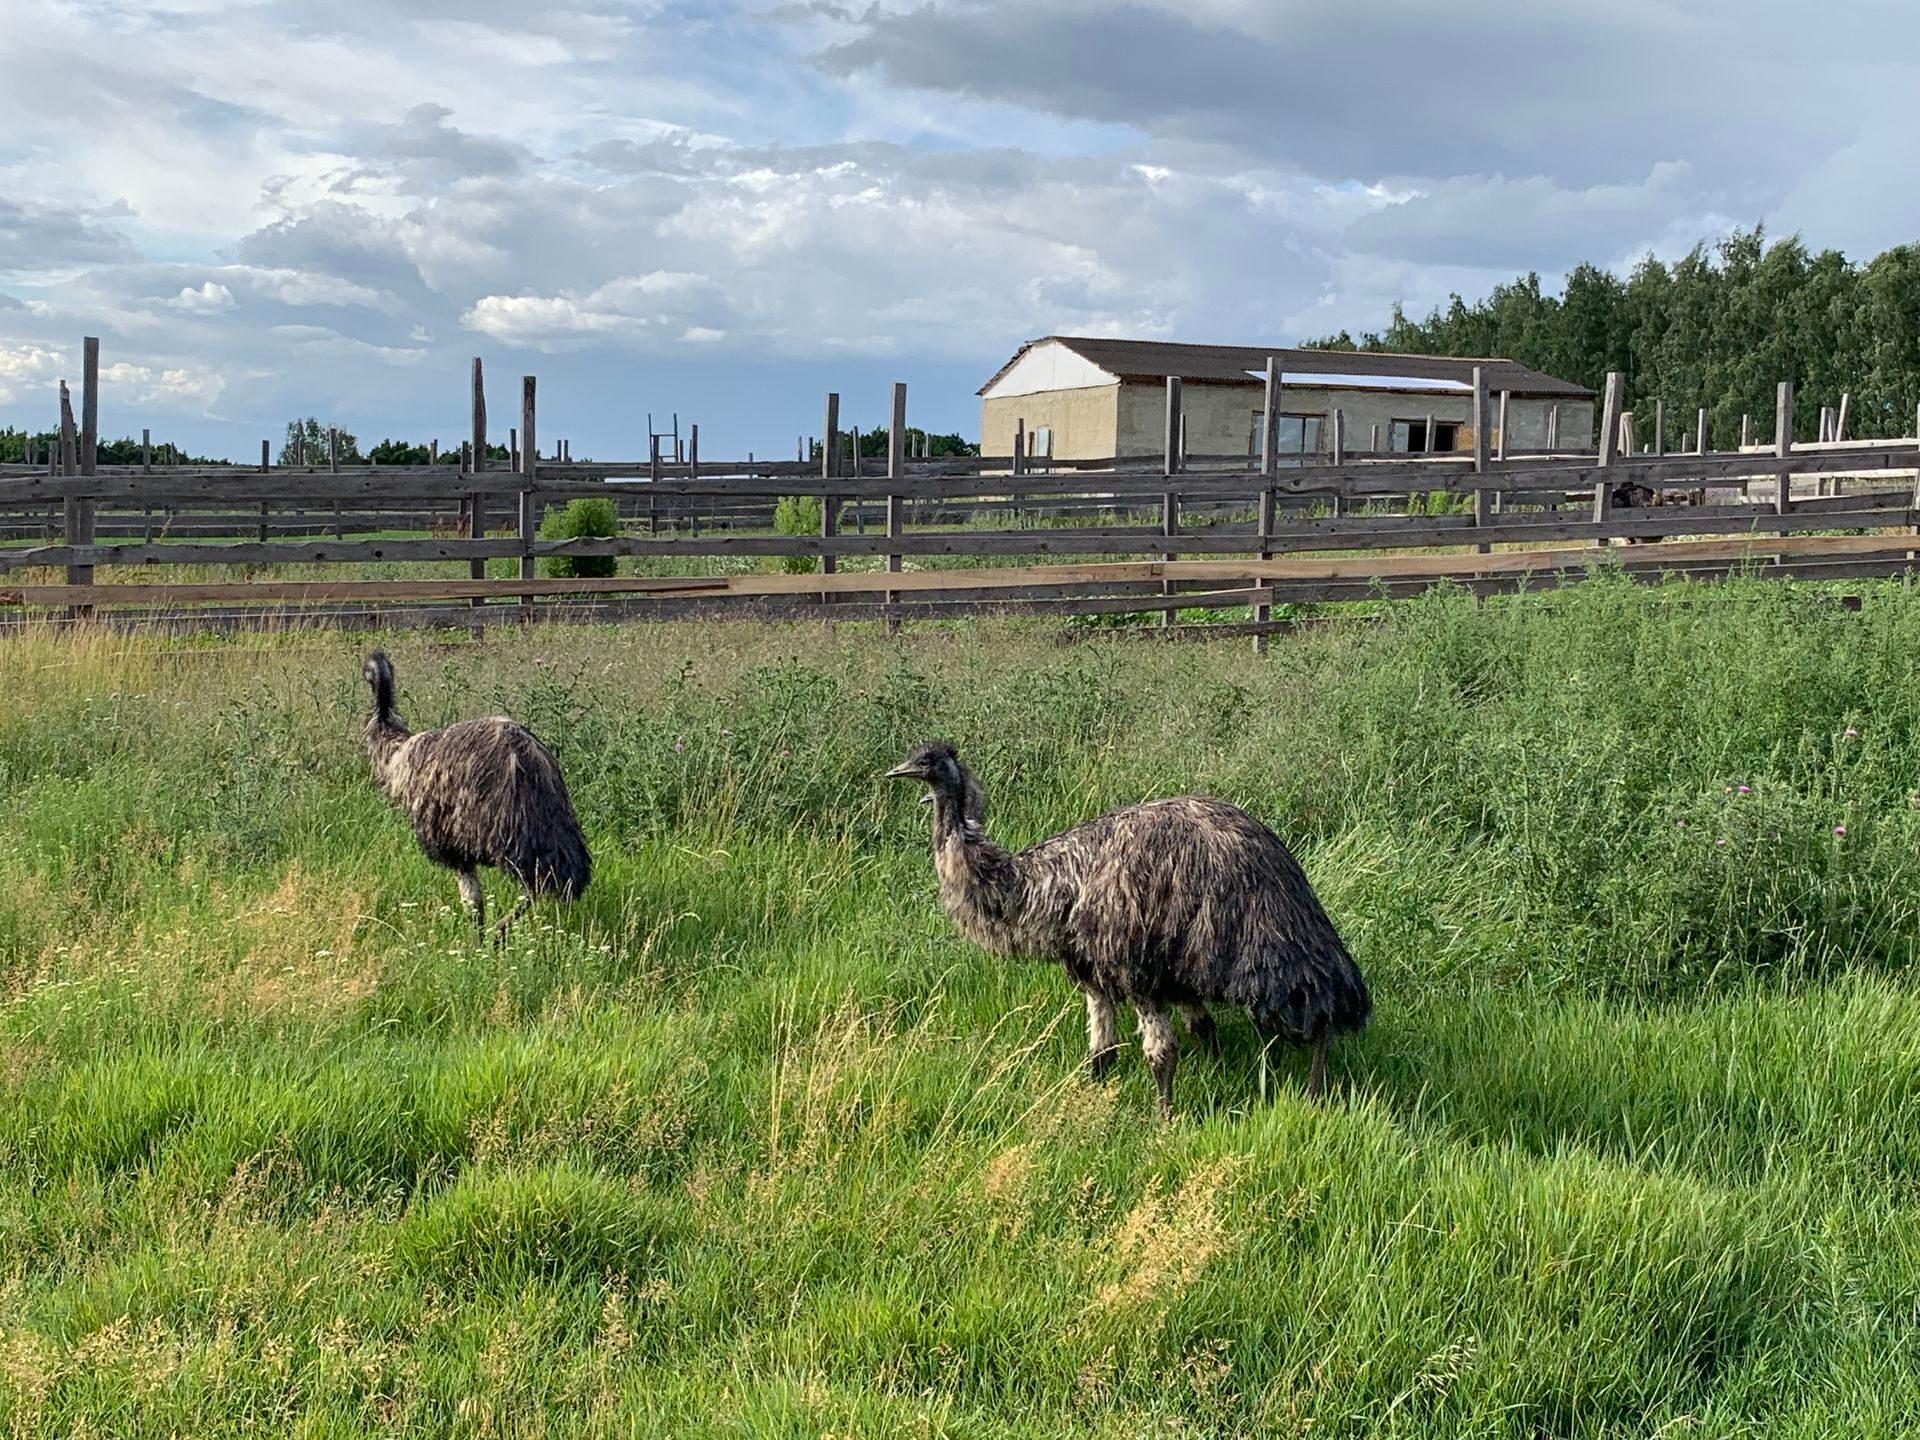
column 1089, row 399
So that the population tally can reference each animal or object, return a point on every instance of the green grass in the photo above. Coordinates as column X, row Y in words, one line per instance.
column 749, row 1143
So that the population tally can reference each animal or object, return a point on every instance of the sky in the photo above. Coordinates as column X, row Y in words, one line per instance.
column 726, row 208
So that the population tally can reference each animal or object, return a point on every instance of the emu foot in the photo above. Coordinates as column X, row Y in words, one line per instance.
column 1100, row 1063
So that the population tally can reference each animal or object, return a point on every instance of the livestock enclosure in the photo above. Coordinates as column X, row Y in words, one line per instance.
column 1229, row 536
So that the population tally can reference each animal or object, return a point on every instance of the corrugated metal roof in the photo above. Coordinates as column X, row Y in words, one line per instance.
column 1157, row 359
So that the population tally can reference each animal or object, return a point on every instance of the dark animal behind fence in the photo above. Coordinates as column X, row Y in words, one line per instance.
column 480, row 792
column 1170, row 904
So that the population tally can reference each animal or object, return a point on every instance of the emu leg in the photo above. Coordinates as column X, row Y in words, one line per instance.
column 1162, row 1050
column 506, row 920
column 1201, row 1028
column 474, row 898
column 1317, row 1073
column 1103, row 1036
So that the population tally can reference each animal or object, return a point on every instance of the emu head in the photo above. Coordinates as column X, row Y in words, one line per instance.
column 378, row 673
column 950, row 785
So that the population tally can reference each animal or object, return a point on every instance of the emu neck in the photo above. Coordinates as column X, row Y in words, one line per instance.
column 386, row 733
column 981, row 885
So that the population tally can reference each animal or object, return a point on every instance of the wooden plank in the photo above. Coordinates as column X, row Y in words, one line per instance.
column 1615, row 396
column 1783, row 446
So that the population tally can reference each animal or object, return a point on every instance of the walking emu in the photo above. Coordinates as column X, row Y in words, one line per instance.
column 1173, row 903
column 481, row 792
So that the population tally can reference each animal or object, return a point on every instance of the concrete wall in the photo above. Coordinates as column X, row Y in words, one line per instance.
column 1222, row 418
column 1129, row 419
column 1082, row 421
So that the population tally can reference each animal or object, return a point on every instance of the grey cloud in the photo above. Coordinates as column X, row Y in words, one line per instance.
column 429, row 151
column 1530, row 222
column 1406, row 87
column 40, row 237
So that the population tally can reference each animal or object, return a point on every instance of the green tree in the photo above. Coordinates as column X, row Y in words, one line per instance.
column 315, row 448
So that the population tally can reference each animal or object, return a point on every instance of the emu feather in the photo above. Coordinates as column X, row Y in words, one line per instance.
column 1167, row 905
column 480, row 792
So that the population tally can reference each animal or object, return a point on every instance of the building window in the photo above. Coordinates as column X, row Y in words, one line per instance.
column 1410, row 436
column 1040, row 442
column 1293, row 435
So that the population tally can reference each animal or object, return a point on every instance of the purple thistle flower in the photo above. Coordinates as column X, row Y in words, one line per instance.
column 1840, row 830
column 1852, row 734
column 1746, row 789
column 678, row 747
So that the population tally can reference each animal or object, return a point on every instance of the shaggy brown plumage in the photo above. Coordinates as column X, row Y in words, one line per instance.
column 482, row 792
column 1173, row 903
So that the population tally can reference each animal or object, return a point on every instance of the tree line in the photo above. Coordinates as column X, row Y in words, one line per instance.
column 1721, row 327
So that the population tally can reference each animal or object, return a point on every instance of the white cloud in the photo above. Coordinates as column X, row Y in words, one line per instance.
column 172, row 388
column 209, row 298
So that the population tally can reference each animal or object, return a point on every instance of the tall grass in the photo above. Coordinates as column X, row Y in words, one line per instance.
column 747, row 1142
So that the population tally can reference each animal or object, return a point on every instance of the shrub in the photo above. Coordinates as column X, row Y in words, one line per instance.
column 797, row 515
column 582, row 519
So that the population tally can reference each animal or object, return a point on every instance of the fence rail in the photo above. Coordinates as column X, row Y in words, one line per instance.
column 1222, row 532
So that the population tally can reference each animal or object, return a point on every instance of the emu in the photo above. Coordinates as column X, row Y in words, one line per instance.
column 1170, row 904
column 480, row 792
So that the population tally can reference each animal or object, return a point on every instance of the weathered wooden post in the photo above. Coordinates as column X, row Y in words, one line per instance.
column 1480, row 493
column 88, row 456
column 513, row 449
column 1269, row 418
column 1700, row 435
column 1430, row 447
column 146, row 451
column 476, row 498
column 1783, row 446
column 1610, row 408
column 1659, row 427
column 1337, row 452
column 829, row 467
column 896, row 470
column 529, row 451
column 1553, row 426
column 1500, row 431
column 1176, row 435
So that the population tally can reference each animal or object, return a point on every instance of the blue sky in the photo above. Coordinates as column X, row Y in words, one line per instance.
column 270, row 207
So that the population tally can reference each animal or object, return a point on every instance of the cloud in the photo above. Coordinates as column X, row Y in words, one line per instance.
column 171, row 388
column 210, row 298
column 36, row 237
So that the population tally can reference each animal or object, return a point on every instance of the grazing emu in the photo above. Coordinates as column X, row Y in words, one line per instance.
column 1173, row 903
column 482, row 792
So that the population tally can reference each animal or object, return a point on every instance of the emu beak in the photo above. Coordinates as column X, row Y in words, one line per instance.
column 903, row 771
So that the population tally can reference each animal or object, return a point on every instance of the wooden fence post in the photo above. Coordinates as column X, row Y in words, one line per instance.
column 513, row 449
column 1659, row 427
column 1609, row 444
column 1480, row 493
column 87, row 458
column 1176, row 439
column 829, row 467
column 529, row 452
column 1430, row 447
column 1500, row 430
column 1783, row 446
column 896, row 470
column 1700, row 435
column 1269, row 421
column 1553, row 426
column 476, row 498
column 1337, row 452
column 146, row 451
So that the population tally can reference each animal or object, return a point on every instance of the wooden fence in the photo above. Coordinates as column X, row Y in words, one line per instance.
column 1017, row 532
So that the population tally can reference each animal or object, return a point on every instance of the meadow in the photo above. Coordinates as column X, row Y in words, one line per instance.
column 749, row 1143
